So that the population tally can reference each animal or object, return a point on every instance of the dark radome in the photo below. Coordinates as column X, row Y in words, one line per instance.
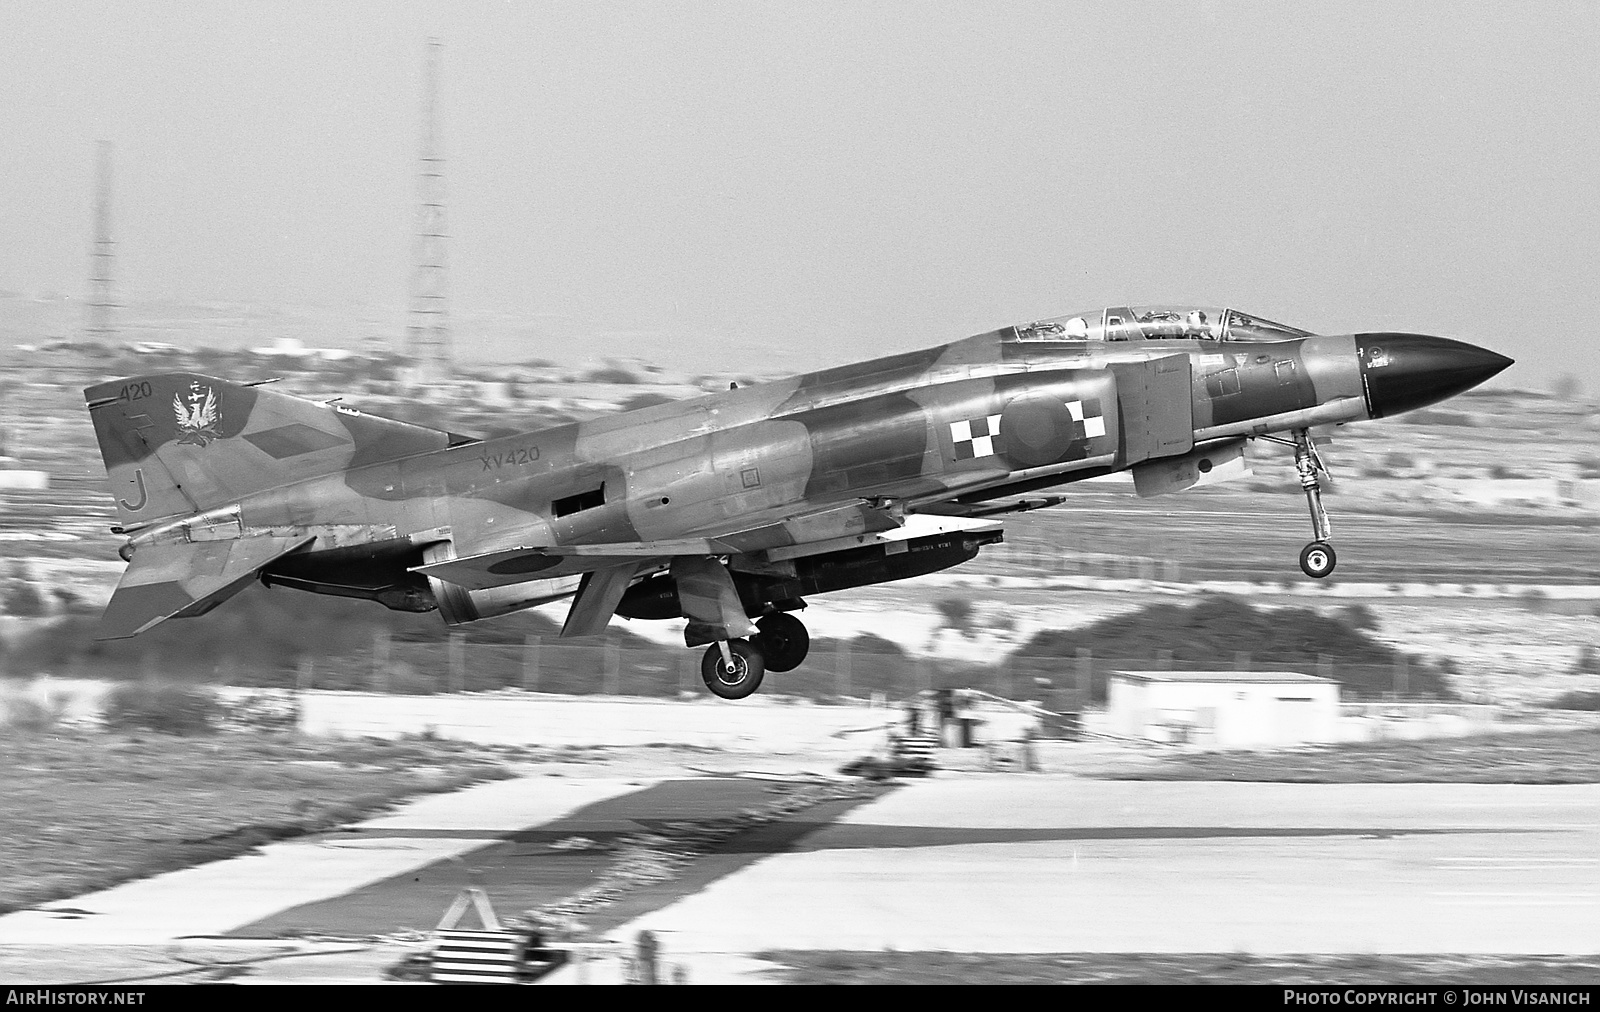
column 1405, row 371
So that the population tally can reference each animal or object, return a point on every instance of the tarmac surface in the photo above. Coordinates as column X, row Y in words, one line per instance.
column 962, row 861
column 998, row 863
column 536, row 866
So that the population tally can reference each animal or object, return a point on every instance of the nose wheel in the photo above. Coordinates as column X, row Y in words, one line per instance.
column 1318, row 558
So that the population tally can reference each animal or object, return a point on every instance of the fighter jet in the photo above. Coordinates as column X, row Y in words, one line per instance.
column 728, row 510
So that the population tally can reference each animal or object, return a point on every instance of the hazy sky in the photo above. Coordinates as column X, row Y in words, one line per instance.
column 804, row 183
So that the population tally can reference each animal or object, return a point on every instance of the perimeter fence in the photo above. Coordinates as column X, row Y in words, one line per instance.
column 834, row 670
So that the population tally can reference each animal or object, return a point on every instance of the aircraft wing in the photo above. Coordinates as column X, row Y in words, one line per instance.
column 754, row 532
column 183, row 580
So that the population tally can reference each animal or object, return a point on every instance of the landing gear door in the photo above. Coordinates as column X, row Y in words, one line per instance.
column 1156, row 405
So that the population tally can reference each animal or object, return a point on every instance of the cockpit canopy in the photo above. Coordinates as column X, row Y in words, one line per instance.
column 1157, row 323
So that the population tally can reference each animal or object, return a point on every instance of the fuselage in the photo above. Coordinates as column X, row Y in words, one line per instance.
column 1005, row 411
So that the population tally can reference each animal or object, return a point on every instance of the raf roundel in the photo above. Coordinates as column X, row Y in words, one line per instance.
column 1042, row 429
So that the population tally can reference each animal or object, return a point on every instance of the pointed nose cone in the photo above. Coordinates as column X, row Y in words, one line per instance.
column 1405, row 371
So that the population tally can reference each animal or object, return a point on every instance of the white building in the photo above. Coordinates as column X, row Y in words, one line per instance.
column 14, row 477
column 1228, row 709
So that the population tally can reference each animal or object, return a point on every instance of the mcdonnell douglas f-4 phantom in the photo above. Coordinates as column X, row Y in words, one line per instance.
column 730, row 509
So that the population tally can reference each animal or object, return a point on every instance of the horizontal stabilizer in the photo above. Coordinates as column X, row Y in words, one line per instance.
column 183, row 580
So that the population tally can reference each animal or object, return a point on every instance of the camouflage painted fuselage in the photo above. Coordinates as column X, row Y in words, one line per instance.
column 342, row 502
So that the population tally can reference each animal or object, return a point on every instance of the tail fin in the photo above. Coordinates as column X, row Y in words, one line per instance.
column 180, row 443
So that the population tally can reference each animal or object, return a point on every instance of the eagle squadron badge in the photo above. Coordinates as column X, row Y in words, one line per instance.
column 197, row 414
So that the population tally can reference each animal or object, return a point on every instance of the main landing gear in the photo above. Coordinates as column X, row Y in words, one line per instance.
column 1316, row 559
column 733, row 669
column 783, row 640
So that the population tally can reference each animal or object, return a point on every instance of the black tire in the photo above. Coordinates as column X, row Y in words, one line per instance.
column 783, row 640
column 1318, row 559
column 742, row 679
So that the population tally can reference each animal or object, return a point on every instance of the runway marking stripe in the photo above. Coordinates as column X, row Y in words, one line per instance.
column 1517, row 903
column 1519, row 860
column 1524, row 897
column 1511, row 862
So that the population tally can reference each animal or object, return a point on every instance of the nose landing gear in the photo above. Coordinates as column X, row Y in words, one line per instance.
column 1316, row 559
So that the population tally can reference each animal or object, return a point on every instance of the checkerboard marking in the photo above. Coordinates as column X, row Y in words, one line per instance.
column 975, row 438
column 1092, row 420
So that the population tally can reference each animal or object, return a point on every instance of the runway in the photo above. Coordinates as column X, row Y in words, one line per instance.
column 1007, row 863
column 961, row 862
column 541, row 865
column 214, row 899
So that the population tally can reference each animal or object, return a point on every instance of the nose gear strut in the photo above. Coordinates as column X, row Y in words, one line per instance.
column 1318, row 558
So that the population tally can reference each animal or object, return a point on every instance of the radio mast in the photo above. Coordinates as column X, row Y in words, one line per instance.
column 429, row 343
column 97, row 311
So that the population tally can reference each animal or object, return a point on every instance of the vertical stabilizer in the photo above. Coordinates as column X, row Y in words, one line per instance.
column 180, row 443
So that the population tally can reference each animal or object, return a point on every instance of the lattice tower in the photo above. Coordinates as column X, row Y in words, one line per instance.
column 429, row 343
column 97, row 311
